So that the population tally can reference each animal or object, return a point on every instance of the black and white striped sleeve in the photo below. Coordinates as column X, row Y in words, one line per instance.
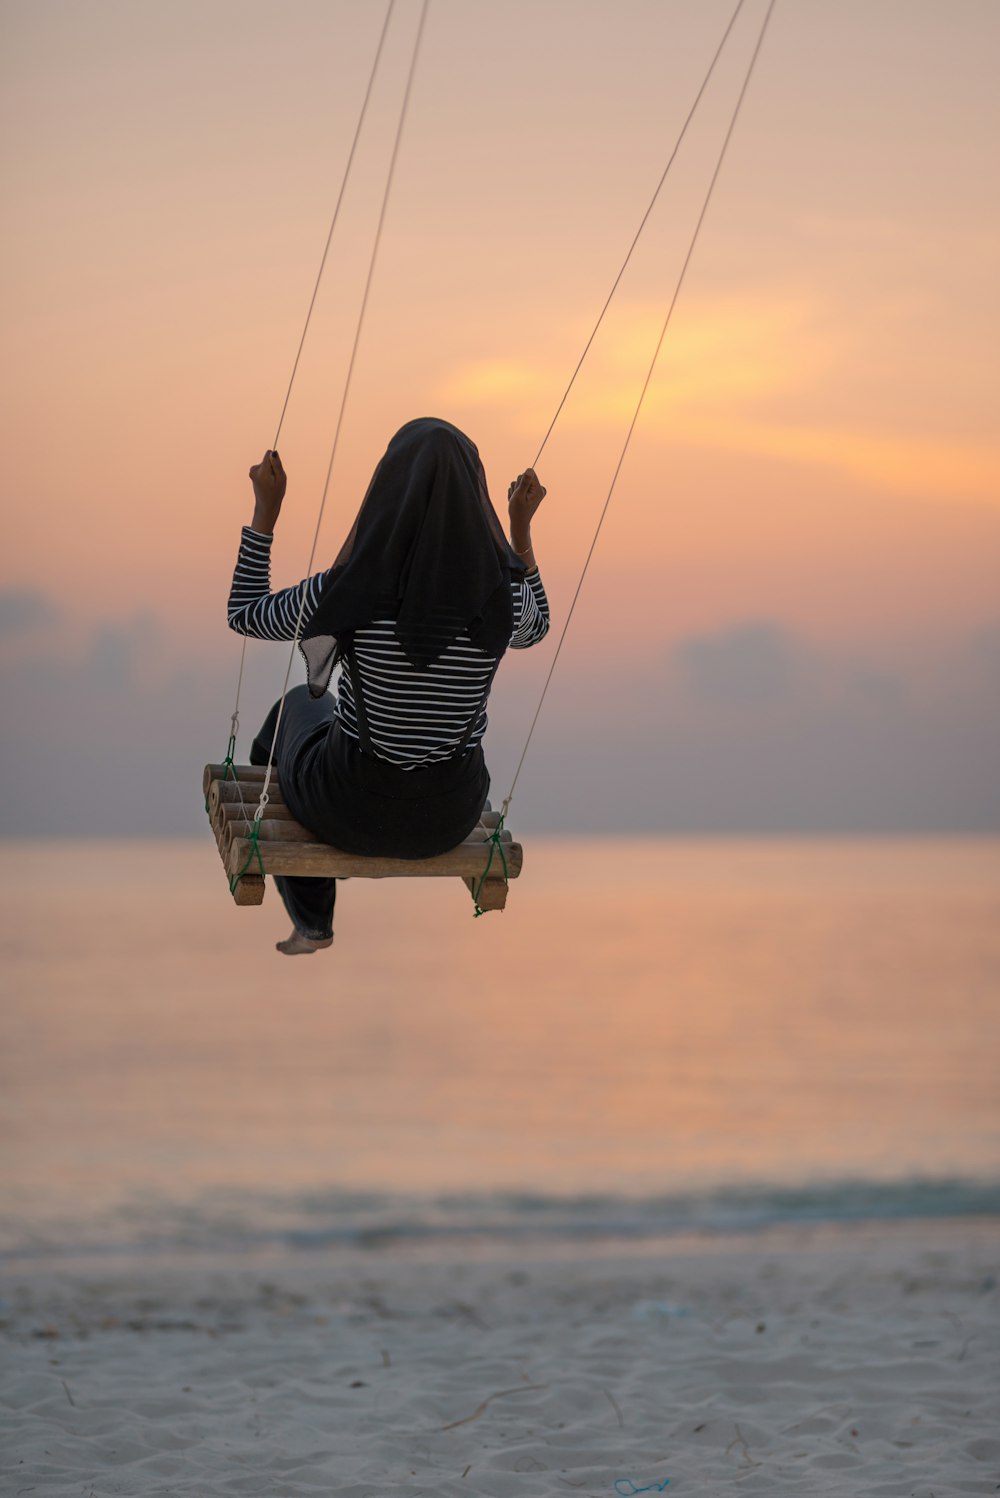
column 531, row 612
column 253, row 608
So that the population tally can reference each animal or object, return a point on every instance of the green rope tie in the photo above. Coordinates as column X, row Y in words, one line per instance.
column 495, row 847
column 254, row 850
column 229, row 763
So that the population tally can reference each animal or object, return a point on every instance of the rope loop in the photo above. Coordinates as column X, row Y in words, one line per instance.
column 496, row 846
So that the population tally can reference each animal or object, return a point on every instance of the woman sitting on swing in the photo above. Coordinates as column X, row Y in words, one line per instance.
column 419, row 607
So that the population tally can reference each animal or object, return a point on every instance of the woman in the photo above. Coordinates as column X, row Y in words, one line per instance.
column 419, row 607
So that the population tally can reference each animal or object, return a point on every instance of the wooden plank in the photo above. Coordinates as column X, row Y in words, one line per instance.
column 270, row 832
column 250, row 890
column 234, row 826
column 319, row 860
column 228, row 811
column 492, row 893
column 216, row 826
column 244, row 793
column 279, row 819
column 243, row 772
column 244, row 790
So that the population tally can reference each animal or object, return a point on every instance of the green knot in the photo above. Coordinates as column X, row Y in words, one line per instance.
column 229, row 763
column 254, row 852
column 496, row 846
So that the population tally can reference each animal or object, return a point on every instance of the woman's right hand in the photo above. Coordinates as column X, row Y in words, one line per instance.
column 269, row 482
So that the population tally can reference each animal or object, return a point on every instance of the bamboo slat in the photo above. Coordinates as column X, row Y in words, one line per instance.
column 250, row 890
column 269, row 832
column 247, row 792
column 243, row 772
column 235, row 826
column 492, row 892
column 319, row 860
column 225, row 812
column 243, row 793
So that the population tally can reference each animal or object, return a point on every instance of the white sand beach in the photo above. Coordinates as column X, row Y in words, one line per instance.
column 835, row 1362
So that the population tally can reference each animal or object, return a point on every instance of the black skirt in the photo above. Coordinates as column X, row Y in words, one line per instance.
column 355, row 801
column 363, row 804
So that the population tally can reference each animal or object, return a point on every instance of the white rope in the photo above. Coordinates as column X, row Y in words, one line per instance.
column 235, row 721
column 336, row 211
column 639, row 403
column 343, row 403
column 642, row 224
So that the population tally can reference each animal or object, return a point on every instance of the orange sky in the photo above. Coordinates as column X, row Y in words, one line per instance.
column 826, row 385
column 820, row 445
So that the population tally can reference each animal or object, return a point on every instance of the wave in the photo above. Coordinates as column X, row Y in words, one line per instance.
column 233, row 1221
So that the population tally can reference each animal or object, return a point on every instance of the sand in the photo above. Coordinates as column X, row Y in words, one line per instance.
column 840, row 1362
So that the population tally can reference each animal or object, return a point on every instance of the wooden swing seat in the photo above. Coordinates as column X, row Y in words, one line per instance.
column 286, row 847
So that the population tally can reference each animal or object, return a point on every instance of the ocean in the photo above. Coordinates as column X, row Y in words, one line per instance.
column 657, row 1037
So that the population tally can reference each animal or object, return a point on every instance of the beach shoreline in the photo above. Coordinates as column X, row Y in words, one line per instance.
column 814, row 1360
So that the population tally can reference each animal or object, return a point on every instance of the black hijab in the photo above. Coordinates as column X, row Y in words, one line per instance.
column 427, row 549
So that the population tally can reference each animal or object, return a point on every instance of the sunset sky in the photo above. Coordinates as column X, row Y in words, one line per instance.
column 793, row 618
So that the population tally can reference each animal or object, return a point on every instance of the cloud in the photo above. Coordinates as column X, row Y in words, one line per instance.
column 751, row 728
column 118, row 656
column 754, row 729
column 728, row 351
column 755, row 663
column 921, row 465
column 984, row 651
column 107, row 734
column 24, row 610
column 726, row 370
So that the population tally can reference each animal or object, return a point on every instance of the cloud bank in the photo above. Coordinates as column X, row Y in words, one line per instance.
column 749, row 729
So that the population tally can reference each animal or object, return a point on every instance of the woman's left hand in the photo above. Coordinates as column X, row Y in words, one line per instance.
column 523, row 498
column 269, row 482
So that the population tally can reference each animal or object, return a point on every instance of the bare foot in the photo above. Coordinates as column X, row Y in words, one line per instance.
column 298, row 945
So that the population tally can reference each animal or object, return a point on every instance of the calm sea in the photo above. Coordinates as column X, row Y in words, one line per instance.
column 657, row 1036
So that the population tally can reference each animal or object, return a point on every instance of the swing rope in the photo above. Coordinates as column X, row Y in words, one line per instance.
column 336, row 211
column 505, row 806
column 235, row 722
column 264, row 797
column 495, row 837
column 642, row 224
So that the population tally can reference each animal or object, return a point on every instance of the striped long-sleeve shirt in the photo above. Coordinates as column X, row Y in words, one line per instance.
column 415, row 717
